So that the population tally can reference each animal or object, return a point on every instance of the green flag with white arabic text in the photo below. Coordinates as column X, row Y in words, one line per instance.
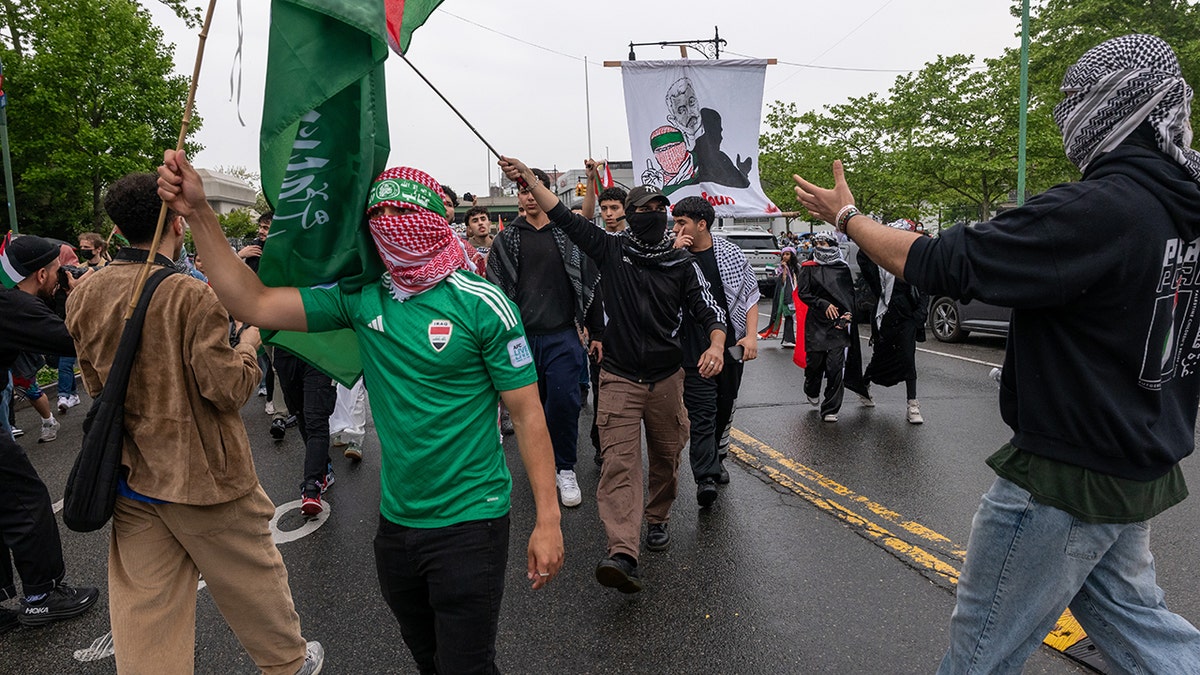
column 324, row 138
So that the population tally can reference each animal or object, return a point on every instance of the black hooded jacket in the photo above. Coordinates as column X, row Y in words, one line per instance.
column 643, row 303
column 1103, row 276
column 820, row 286
column 30, row 325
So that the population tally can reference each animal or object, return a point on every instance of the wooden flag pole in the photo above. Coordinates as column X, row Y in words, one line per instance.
column 144, row 273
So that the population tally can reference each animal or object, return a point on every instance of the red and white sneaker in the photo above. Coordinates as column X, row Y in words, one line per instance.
column 310, row 499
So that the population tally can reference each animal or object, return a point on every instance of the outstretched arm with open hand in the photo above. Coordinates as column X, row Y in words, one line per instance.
column 887, row 246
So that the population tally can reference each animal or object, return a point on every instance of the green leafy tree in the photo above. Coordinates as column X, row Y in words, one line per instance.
column 1060, row 31
column 254, row 180
column 945, row 138
column 238, row 224
column 92, row 96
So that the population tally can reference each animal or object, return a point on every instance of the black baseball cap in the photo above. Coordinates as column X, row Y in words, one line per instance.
column 642, row 195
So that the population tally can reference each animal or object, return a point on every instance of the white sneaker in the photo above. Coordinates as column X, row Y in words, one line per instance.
column 830, row 418
column 62, row 404
column 786, row 345
column 812, row 400
column 568, row 488
column 49, row 430
column 72, row 400
column 866, row 401
column 269, row 408
column 314, row 659
column 353, row 452
column 914, row 412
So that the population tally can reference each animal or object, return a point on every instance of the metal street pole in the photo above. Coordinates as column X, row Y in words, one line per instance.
column 1024, row 101
column 8, row 180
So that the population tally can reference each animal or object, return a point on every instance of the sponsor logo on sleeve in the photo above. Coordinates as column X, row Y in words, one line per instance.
column 518, row 353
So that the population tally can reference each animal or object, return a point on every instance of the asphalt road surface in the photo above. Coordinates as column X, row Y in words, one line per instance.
column 834, row 549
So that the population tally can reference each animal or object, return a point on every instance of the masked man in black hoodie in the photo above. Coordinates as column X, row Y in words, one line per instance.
column 645, row 282
column 827, row 287
column 1100, row 382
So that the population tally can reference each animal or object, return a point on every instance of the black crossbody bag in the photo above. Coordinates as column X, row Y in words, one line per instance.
column 91, row 492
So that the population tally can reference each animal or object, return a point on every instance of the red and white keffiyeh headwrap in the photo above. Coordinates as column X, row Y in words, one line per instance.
column 418, row 248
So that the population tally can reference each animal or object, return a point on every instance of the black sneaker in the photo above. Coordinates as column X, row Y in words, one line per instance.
column 657, row 538
column 620, row 573
column 8, row 620
column 723, row 479
column 706, row 494
column 278, row 428
column 291, row 421
column 63, row 602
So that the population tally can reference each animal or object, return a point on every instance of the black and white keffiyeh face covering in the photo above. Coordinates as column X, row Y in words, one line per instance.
column 1117, row 85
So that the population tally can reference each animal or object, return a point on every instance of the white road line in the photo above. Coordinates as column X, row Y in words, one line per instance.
column 961, row 358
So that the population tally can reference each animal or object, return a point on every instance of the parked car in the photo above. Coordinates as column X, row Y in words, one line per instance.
column 761, row 249
column 951, row 320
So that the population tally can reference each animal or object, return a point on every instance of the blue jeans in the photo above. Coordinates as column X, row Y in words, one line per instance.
column 5, row 404
column 1027, row 562
column 559, row 358
column 444, row 585
column 66, row 375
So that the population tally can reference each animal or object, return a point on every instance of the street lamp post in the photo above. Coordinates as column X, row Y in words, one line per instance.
column 8, row 180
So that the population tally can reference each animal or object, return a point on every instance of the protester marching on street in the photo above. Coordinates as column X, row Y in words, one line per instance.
column 784, row 303
column 441, row 548
column 646, row 282
column 310, row 396
column 189, row 502
column 1098, row 384
column 826, row 286
column 612, row 214
column 348, row 423
column 897, row 325
column 551, row 281
column 711, row 401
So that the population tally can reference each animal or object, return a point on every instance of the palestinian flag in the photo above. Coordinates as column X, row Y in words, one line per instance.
column 404, row 17
column 603, row 182
column 9, row 276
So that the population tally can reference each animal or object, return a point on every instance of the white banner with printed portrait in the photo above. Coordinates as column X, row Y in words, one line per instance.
column 693, row 126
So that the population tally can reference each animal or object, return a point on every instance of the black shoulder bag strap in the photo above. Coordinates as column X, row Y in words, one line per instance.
column 91, row 492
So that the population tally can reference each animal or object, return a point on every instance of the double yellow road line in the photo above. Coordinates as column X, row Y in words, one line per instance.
column 926, row 550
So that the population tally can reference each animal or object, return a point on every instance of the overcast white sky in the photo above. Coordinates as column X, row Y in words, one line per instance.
column 530, row 103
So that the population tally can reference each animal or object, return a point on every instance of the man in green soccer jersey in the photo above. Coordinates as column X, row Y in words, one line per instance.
column 440, row 347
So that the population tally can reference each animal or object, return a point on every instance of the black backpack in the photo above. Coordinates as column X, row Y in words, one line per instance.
column 91, row 490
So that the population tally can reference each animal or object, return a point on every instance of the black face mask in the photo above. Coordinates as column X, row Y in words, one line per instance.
column 648, row 226
column 86, row 254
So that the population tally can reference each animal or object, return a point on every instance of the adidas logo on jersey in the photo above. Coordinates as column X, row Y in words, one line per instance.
column 377, row 324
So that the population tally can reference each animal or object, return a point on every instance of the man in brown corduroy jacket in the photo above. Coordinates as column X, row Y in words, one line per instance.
column 189, row 502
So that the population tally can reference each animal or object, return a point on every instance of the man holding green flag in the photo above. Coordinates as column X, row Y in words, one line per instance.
column 324, row 137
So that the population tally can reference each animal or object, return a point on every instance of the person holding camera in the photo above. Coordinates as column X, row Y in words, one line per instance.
column 827, row 288
column 29, row 537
